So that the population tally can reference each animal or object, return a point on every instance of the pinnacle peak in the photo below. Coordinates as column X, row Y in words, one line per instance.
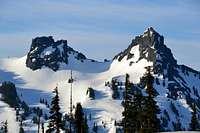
column 150, row 30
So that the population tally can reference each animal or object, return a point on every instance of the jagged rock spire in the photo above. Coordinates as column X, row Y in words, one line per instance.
column 151, row 44
column 45, row 51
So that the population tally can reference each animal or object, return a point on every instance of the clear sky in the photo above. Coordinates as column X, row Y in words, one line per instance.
column 101, row 28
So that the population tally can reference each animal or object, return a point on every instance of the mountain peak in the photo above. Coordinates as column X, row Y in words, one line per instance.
column 45, row 51
column 150, row 30
column 149, row 46
column 150, row 38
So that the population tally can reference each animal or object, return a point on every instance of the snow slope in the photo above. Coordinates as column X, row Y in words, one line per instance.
column 33, row 85
column 7, row 113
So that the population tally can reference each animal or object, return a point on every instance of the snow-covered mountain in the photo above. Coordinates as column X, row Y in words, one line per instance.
column 45, row 52
column 177, row 85
column 49, row 62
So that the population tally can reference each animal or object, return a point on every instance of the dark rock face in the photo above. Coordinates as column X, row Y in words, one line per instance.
column 45, row 51
column 152, row 48
column 150, row 44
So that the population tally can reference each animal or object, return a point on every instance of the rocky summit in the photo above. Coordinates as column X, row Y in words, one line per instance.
column 45, row 51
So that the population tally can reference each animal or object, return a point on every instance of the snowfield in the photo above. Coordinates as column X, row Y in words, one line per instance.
column 33, row 85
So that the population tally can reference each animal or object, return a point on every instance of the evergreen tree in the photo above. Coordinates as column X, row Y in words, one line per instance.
column 21, row 129
column 9, row 94
column 39, row 114
column 152, row 123
column 140, row 112
column 4, row 128
column 42, row 127
column 114, row 88
column 55, row 122
column 80, row 123
column 149, row 83
column 128, row 113
column 34, row 119
column 194, row 124
column 90, row 117
column 95, row 128
column 91, row 93
column 85, row 125
column 25, row 108
column 134, row 116
column 17, row 114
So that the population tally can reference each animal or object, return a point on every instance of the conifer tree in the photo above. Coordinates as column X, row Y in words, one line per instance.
column 152, row 123
column 55, row 122
column 42, row 127
column 80, row 123
column 114, row 88
column 39, row 114
column 26, row 109
column 133, row 108
column 4, row 128
column 17, row 114
column 128, row 122
column 149, row 83
column 194, row 124
column 91, row 93
column 85, row 125
column 21, row 129
column 95, row 128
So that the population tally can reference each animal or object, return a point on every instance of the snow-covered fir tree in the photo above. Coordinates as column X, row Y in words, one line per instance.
column 55, row 119
column 4, row 127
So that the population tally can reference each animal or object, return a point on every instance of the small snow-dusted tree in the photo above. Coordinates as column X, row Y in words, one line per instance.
column 21, row 129
column 26, row 109
column 194, row 124
column 114, row 88
column 39, row 114
column 55, row 122
column 4, row 127
column 95, row 128
column 42, row 127
column 17, row 114
column 91, row 93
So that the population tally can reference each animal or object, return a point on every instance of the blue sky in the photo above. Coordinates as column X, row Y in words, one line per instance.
column 101, row 28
